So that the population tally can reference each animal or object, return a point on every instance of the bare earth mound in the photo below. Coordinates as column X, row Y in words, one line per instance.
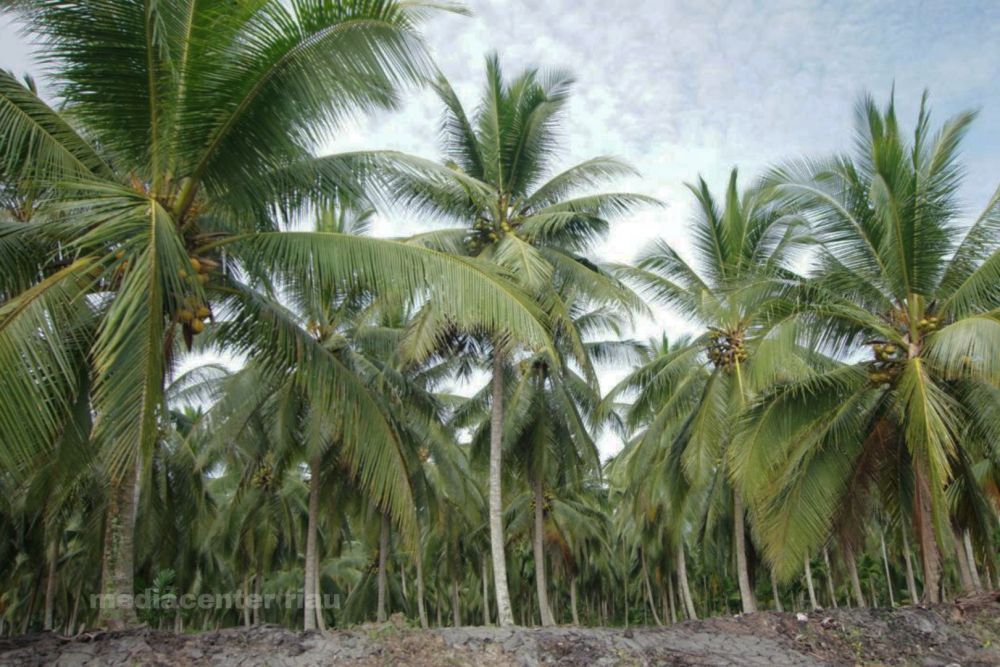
column 964, row 633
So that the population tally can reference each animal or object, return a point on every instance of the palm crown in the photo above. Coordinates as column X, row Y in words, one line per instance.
column 901, row 284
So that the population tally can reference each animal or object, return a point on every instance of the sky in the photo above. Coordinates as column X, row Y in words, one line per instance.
column 680, row 88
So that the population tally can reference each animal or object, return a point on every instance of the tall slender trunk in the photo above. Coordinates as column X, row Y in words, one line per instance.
column 538, row 553
column 742, row 573
column 572, row 600
column 930, row 554
column 421, row 609
column 888, row 577
column 437, row 605
column 402, row 582
column 813, row 603
column 486, row 594
column 625, row 590
column 456, row 607
column 505, row 616
column 775, row 596
column 649, row 589
column 852, row 570
column 911, row 582
column 320, row 611
column 246, row 600
column 71, row 624
column 50, row 580
column 683, row 584
column 977, row 583
column 383, row 557
column 258, row 583
column 965, row 574
column 117, row 573
column 830, row 587
column 309, row 585
column 672, row 606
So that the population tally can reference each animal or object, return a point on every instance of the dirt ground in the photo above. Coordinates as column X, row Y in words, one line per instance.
column 964, row 633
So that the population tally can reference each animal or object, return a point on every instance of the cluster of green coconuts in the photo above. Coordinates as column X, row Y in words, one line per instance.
column 485, row 232
column 889, row 357
column 193, row 314
column 264, row 477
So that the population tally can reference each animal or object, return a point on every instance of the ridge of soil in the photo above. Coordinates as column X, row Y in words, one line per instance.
column 966, row 632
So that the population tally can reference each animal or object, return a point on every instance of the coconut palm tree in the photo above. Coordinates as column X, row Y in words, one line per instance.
column 177, row 159
column 550, row 409
column 688, row 400
column 907, row 293
column 493, row 184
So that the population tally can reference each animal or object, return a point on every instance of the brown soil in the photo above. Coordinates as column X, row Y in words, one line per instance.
column 965, row 633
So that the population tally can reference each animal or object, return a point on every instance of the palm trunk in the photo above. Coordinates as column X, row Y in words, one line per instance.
column 830, row 588
column 965, row 574
column 486, row 595
column 50, row 582
column 258, row 583
column 888, row 577
column 117, row 573
column 977, row 583
column 742, row 573
column 437, row 605
column 246, row 600
column 71, row 624
column 320, row 611
column 682, row 582
column 383, row 556
column 649, row 589
column 402, row 582
column 852, row 569
column 671, row 605
column 505, row 616
column 456, row 608
column 911, row 582
column 572, row 600
column 421, row 609
column 775, row 596
column 930, row 554
column 813, row 603
column 309, row 585
column 538, row 553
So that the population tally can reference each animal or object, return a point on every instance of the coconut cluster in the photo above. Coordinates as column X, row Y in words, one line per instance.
column 887, row 364
column 322, row 332
column 193, row 313
column 264, row 477
column 485, row 233
column 929, row 324
column 727, row 348
column 547, row 497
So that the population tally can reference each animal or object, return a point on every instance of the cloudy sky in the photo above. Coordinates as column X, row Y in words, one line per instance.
column 686, row 87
